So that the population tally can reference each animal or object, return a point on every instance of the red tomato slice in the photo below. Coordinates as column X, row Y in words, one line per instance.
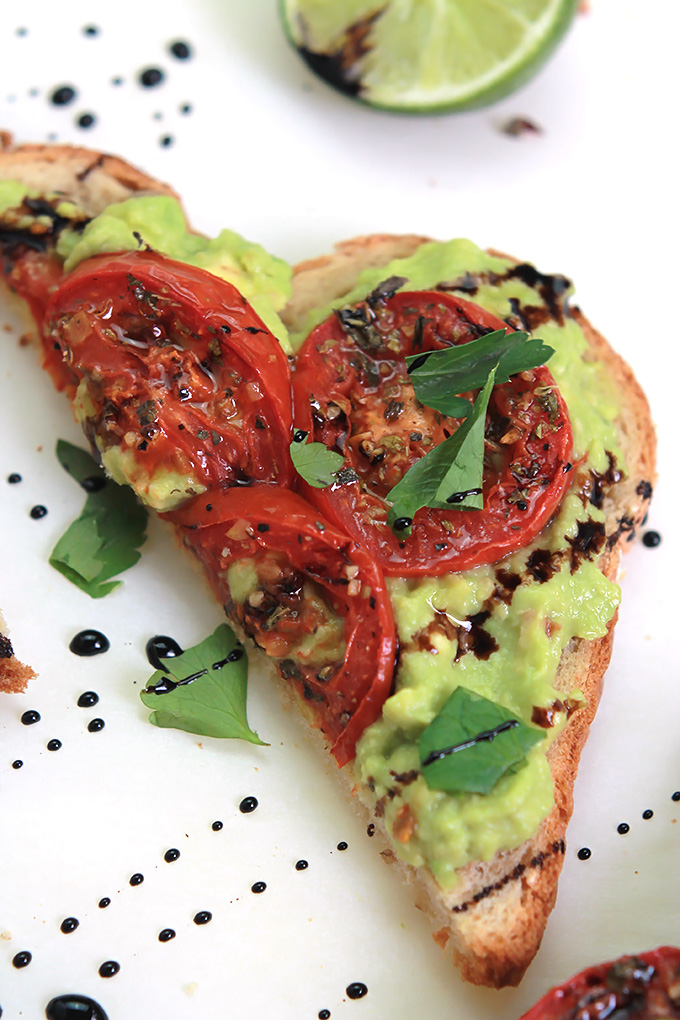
column 178, row 366
column 352, row 392
column 283, row 574
column 644, row 987
column 34, row 276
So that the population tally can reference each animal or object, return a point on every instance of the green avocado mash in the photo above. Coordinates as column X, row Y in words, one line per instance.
column 528, row 631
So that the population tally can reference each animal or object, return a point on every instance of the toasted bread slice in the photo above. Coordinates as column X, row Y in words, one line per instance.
column 14, row 675
column 493, row 920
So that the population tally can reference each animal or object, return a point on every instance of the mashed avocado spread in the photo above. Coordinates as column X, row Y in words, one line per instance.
column 526, row 629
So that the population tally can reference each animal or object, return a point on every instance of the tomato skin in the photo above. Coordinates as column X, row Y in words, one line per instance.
column 35, row 276
column 634, row 986
column 268, row 520
column 340, row 390
column 178, row 363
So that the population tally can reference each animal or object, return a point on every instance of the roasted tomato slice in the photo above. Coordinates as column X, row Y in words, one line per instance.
column 305, row 593
column 35, row 275
column 644, row 987
column 352, row 392
column 177, row 366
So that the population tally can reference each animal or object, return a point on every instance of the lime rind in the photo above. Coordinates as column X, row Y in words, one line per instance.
column 428, row 56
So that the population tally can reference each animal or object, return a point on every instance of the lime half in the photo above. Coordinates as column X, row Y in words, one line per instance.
column 424, row 56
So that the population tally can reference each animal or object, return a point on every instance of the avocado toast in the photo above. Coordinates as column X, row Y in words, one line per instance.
column 491, row 913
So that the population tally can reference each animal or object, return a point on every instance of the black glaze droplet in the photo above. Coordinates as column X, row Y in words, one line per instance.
column 324, row 1014
column 202, row 917
column 38, row 511
column 623, row 828
column 95, row 483
column 54, row 744
column 89, row 642
column 90, row 30
column 342, row 845
column 584, row 853
column 22, row 959
column 30, row 717
column 116, row 81
column 166, row 141
column 356, row 990
column 166, row 935
column 258, row 887
column 402, row 523
column 676, row 795
column 87, row 699
column 150, row 77
column 74, row 1007
column 109, row 968
column 14, row 478
column 647, row 814
column 104, row 903
column 247, row 805
column 95, row 725
column 69, row 924
column 185, row 108
column 651, row 539
column 86, row 120
column 63, row 95
column 171, row 855
column 301, row 865
column 180, row 49
column 216, row 826
column 161, row 647
column 17, row 763
column 137, row 878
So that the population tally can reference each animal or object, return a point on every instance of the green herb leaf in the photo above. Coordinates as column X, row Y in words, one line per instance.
column 204, row 689
column 438, row 375
column 472, row 743
column 315, row 462
column 450, row 476
column 105, row 539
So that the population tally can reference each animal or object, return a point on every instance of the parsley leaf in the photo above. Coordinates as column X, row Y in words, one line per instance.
column 203, row 690
column 105, row 539
column 472, row 743
column 314, row 462
column 438, row 375
column 450, row 476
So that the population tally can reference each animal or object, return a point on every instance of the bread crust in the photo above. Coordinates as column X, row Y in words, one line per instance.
column 493, row 920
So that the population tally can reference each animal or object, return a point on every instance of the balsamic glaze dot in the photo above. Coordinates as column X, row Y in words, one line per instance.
column 647, row 814
column 166, row 935
column 90, row 30
column 342, row 845
column 166, row 141
column 185, row 108
column 676, row 795
column 95, row 725
column 116, row 81
column 85, row 120
column 74, row 1007
column 180, row 49
column 623, row 828
column 54, row 744
column 137, row 878
column 216, row 826
column 584, row 853
column 324, row 1014
column 17, row 763
column 63, row 95
column 402, row 523
column 22, row 959
column 14, row 478
column 22, row 31
column 651, row 539
column 171, row 855
column 30, row 717
column 202, row 917
column 150, row 77
column 248, row 804
column 89, row 642
column 258, row 887
column 38, row 511
column 93, row 484
column 356, row 990
column 161, row 647
column 301, row 865
column 104, row 903
column 87, row 699
column 69, row 924
column 109, row 968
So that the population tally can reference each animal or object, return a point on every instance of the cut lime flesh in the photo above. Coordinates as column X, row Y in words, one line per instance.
column 426, row 55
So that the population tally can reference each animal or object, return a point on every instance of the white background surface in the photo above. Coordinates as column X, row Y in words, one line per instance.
column 270, row 152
